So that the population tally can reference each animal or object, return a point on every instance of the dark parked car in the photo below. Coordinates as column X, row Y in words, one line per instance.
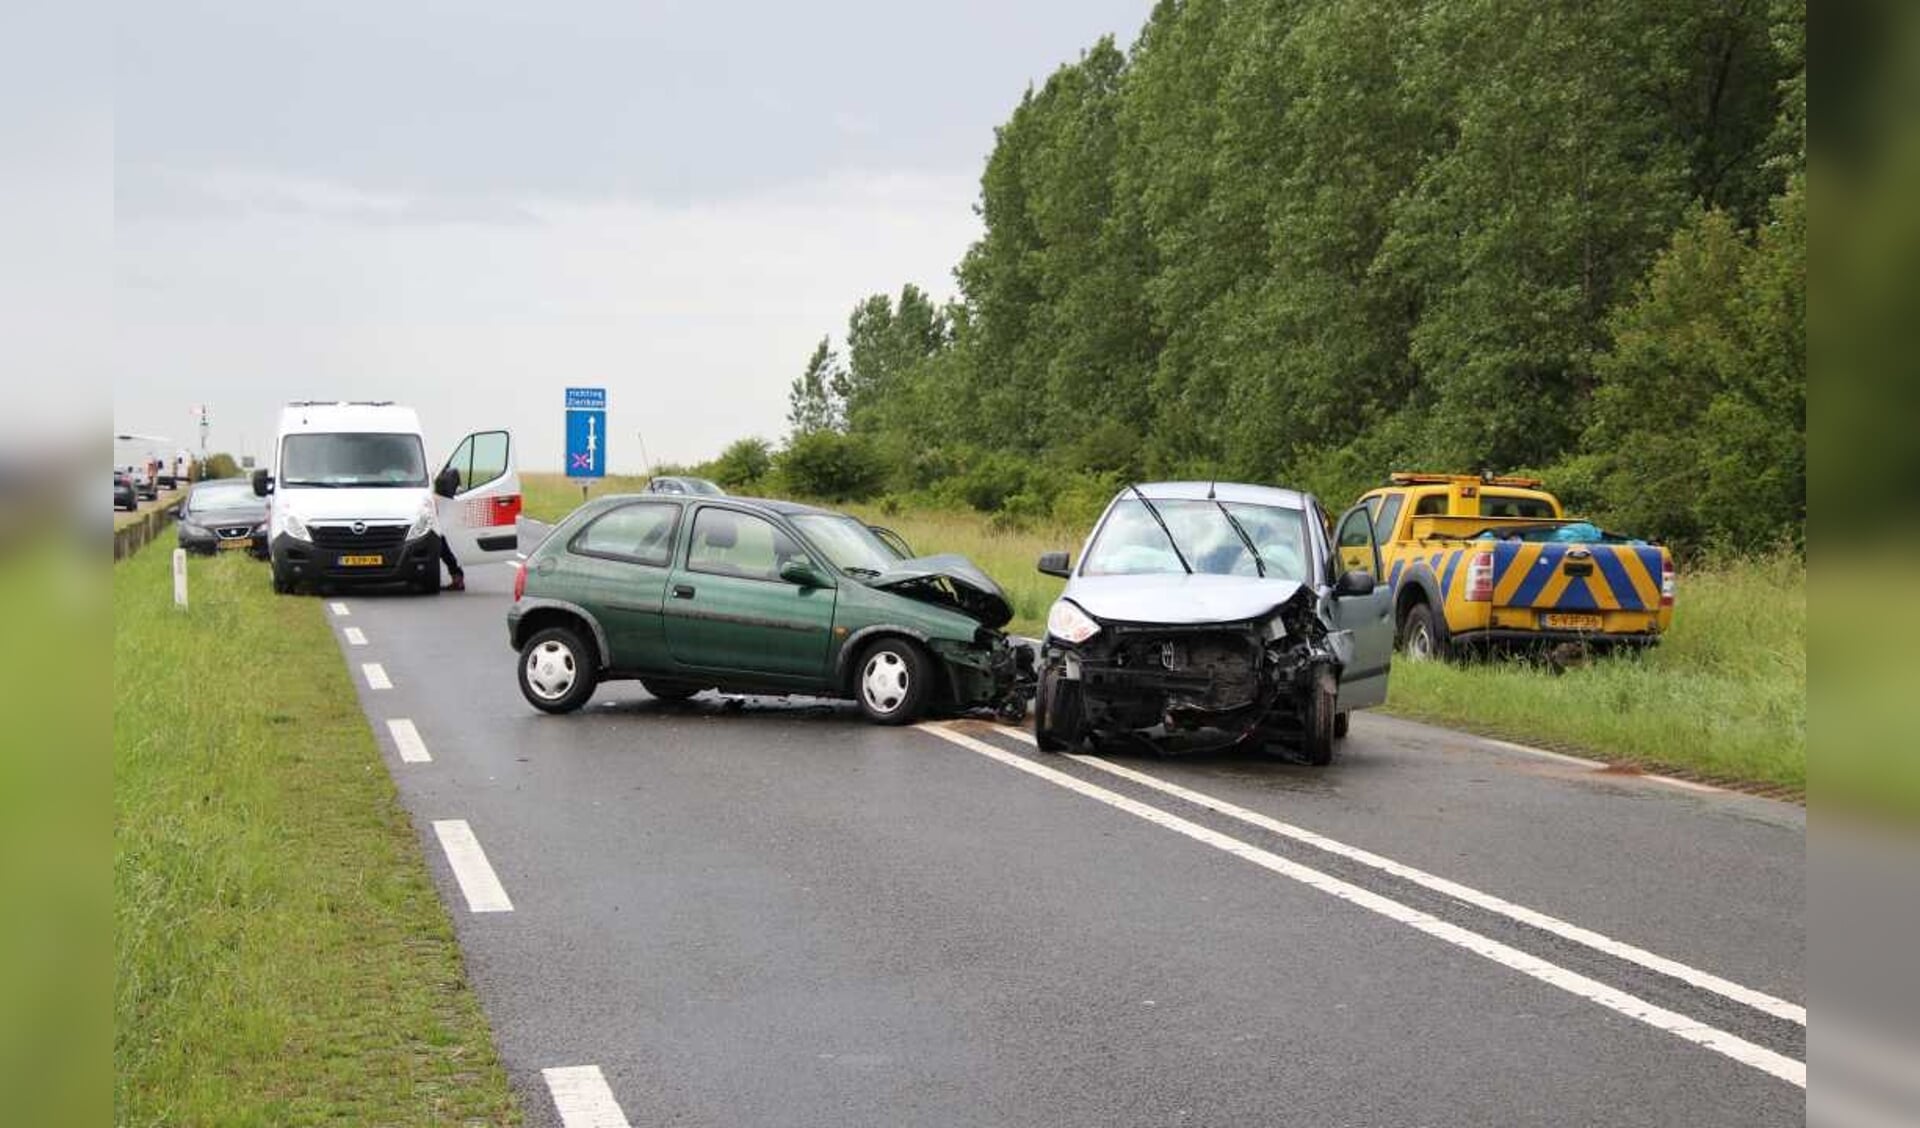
column 224, row 515
column 686, row 594
column 123, row 495
column 1206, row 614
column 685, row 487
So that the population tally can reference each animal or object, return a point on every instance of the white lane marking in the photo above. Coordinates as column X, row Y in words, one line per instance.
column 1686, row 784
column 355, row 636
column 338, row 608
column 376, row 675
column 477, row 881
column 583, row 1097
column 407, row 739
column 1619, row 949
column 1740, row 1050
column 1542, row 753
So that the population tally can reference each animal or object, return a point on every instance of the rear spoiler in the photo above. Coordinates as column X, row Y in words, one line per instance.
column 530, row 533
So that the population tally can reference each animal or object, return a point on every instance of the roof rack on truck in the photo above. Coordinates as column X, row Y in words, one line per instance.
column 1407, row 478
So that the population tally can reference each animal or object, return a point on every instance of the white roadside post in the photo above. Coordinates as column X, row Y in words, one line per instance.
column 180, row 578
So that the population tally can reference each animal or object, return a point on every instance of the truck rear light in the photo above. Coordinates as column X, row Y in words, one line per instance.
column 519, row 579
column 1666, row 583
column 1480, row 578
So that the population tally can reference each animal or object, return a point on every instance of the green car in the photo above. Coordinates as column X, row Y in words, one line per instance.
column 692, row 593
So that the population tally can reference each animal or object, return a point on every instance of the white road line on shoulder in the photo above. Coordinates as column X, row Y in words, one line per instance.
column 581, row 1094
column 477, row 880
column 1542, row 753
column 355, row 636
column 406, row 738
column 376, row 675
column 338, row 608
column 1681, row 1026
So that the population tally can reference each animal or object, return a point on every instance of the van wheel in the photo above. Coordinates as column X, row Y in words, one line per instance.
column 557, row 672
column 892, row 681
column 1420, row 637
column 282, row 584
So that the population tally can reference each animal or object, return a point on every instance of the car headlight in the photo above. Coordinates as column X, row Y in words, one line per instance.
column 192, row 529
column 296, row 528
column 422, row 525
column 259, row 530
column 1071, row 624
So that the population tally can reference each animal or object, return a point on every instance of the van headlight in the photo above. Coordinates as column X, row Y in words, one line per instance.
column 1068, row 623
column 422, row 524
column 296, row 528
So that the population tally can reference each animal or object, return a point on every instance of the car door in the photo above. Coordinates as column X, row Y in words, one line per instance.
column 477, row 518
column 1368, row 618
column 728, row 610
column 626, row 557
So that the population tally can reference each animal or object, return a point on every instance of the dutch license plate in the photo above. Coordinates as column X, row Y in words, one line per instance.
column 362, row 561
column 230, row 545
column 1572, row 622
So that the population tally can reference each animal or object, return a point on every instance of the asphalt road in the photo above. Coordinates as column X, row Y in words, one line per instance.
column 770, row 913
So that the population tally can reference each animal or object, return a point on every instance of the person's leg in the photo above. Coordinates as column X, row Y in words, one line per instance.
column 456, row 579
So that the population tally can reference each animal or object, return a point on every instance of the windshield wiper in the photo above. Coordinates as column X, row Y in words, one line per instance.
column 1160, row 521
column 1258, row 565
column 311, row 483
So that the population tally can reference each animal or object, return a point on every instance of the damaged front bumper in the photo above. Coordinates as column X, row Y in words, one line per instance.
column 993, row 671
column 1226, row 681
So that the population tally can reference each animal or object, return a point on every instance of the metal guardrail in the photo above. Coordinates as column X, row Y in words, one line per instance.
column 132, row 536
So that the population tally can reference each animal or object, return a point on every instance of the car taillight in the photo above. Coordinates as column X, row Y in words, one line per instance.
column 1666, row 583
column 1480, row 578
column 519, row 579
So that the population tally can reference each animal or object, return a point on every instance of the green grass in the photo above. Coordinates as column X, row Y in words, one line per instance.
column 1724, row 697
column 280, row 955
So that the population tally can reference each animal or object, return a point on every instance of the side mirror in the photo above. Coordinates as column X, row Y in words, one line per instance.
column 447, row 482
column 1353, row 582
column 1055, row 564
column 262, row 483
column 800, row 572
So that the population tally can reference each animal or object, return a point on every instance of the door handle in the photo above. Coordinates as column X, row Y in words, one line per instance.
column 682, row 591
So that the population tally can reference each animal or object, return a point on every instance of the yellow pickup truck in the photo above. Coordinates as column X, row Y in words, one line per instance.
column 1494, row 562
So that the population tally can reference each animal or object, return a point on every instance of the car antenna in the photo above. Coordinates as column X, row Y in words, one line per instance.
column 1210, row 485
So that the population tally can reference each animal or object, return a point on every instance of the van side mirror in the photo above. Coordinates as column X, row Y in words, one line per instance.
column 447, row 482
column 262, row 483
column 1055, row 564
column 800, row 572
column 1354, row 582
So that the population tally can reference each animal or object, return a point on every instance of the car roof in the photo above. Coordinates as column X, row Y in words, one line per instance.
column 769, row 505
column 1221, row 491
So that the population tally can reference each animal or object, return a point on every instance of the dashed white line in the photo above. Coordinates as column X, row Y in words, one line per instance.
column 338, row 608
column 376, row 675
column 406, row 738
column 355, row 636
column 1681, row 1026
column 583, row 1097
column 477, row 880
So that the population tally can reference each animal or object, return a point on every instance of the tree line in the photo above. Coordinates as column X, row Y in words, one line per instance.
column 1308, row 242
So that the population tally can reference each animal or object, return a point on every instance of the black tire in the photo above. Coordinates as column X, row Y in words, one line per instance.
column 1057, row 724
column 282, row 583
column 1422, row 637
column 429, row 585
column 893, row 681
column 559, row 670
column 1317, row 725
column 670, row 690
column 1341, row 723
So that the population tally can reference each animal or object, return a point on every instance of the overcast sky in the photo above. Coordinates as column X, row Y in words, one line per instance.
column 470, row 206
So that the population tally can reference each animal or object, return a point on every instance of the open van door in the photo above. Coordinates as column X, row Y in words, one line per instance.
column 477, row 496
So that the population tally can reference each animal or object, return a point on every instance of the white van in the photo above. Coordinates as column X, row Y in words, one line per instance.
column 352, row 501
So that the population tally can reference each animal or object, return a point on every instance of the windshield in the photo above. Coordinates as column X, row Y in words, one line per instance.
column 1131, row 542
column 359, row 459
column 849, row 545
column 222, row 495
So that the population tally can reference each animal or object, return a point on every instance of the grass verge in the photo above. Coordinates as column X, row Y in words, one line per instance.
column 280, row 956
column 1723, row 698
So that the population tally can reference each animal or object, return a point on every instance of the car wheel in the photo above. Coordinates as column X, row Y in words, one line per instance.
column 1056, row 713
column 1420, row 637
column 670, row 690
column 557, row 670
column 1341, row 723
column 891, row 682
column 1322, row 705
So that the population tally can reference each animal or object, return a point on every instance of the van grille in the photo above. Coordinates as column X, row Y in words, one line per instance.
column 343, row 538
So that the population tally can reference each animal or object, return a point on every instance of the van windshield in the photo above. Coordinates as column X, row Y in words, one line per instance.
column 359, row 459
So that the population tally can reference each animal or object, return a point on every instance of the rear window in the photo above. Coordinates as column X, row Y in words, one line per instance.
column 1507, row 505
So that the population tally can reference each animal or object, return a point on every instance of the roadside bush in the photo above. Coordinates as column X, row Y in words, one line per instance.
column 832, row 467
column 743, row 464
column 216, row 466
column 991, row 479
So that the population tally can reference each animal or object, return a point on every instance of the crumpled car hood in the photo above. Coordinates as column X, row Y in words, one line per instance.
column 983, row 599
column 1179, row 600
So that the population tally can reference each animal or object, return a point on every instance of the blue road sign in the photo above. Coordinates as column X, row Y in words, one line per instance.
column 586, row 432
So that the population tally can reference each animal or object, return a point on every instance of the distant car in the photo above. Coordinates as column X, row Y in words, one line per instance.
column 1210, row 614
column 686, row 594
column 695, row 487
column 224, row 515
column 123, row 495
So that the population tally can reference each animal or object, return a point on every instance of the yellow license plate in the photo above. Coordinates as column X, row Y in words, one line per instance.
column 362, row 561
column 1572, row 622
column 230, row 545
